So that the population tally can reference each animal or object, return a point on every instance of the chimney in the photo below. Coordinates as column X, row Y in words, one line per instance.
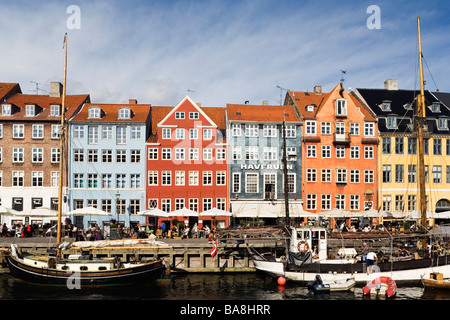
column 390, row 84
column 56, row 89
column 132, row 101
column 318, row 89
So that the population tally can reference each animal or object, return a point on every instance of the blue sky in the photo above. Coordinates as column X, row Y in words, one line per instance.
column 221, row 52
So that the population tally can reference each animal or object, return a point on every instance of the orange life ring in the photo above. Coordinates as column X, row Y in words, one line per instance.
column 305, row 247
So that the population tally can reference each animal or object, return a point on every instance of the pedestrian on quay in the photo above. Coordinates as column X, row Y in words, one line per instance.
column 4, row 230
column 371, row 260
column 364, row 252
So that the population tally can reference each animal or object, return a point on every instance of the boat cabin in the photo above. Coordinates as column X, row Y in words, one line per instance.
column 310, row 238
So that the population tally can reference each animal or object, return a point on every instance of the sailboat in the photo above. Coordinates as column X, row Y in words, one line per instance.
column 77, row 271
column 307, row 250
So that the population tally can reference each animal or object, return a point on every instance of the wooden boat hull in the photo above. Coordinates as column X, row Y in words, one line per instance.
column 49, row 276
column 436, row 284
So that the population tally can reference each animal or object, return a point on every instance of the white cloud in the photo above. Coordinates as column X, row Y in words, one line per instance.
column 224, row 51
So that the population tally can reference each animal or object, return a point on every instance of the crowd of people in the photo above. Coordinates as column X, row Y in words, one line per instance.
column 17, row 230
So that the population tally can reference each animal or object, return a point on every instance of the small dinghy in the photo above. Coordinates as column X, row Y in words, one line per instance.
column 436, row 281
column 318, row 286
column 381, row 286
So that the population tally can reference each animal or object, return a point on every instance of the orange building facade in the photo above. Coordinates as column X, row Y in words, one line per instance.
column 339, row 151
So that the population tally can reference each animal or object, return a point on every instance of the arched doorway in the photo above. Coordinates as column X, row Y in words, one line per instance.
column 443, row 205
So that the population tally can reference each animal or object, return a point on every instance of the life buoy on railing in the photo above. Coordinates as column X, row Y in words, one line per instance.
column 305, row 246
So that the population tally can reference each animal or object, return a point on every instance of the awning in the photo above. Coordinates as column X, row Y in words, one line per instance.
column 214, row 212
column 154, row 213
column 268, row 209
column 87, row 211
column 185, row 212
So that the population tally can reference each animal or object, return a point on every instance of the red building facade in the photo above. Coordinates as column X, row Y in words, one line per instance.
column 187, row 163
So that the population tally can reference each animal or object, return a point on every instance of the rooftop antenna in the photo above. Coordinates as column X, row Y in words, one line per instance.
column 281, row 94
column 37, row 87
column 189, row 90
column 343, row 72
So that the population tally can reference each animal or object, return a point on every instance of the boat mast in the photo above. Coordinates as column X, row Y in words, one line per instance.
column 421, row 162
column 61, row 151
column 285, row 175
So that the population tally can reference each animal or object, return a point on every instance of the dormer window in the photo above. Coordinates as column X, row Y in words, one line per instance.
column 436, row 107
column 124, row 113
column 386, row 106
column 30, row 110
column 94, row 113
column 55, row 110
column 442, row 123
column 407, row 106
column 310, row 108
column 341, row 107
column 6, row 110
column 391, row 122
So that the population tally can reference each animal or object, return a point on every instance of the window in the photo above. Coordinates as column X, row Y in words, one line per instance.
column 55, row 110
column 92, row 135
column 6, row 109
column 207, row 154
column 251, row 130
column 447, row 174
column 387, row 203
column 354, row 176
column 121, row 135
column 94, row 113
column 121, row 156
column 398, row 145
column 341, row 175
column 107, row 132
column 153, row 178
column 1, row 154
column 166, row 178
column 179, row 133
column 207, row 134
column 107, row 205
column 135, row 156
column 354, row 152
column 399, row 202
column 399, row 173
column 135, row 133
column 221, row 178
column 56, row 131
column 326, row 201
column 78, row 132
column 311, row 175
column 165, row 205
column 369, row 129
column 236, row 182
column 270, row 153
column 412, row 145
column 325, row 128
column 179, row 115
column 54, row 178
column 437, row 174
column 236, row 153
column 78, row 180
column 121, row 206
column 340, row 201
column 107, row 156
column 391, row 122
column 310, row 128
column 270, row 131
column 341, row 107
column 153, row 154
column 78, row 155
column 386, row 106
column 340, row 152
column 37, row 155
column 411, row 202
column 166, row 154
column 326, row 151
column 221, row 203
column 326, row 175
column 121, row 181
column 387, row 173
column 412, row 173
column 236, row 130
column 311, row 201
column 37, row 178
column 193, row 134
column 292, row 178
column 193, row 154
column 436, row 107
column 1, row 130
column 221, row 154
column 368, row 153
column 193, row 115
column 386, row 143
column 437, row 147
column 354, row 202
column 17, row 178
column 179, row 153
column 18, row 131
column 166, row 133
column 207, row 204
column 207, row 178
column 193, row 205
column 38, row 131
column 179, row 178
column 310, row 151
column 135, row 181
column 179, row 204
column 252, row 183
column 92, row 180
column 106, row 181
column 30, row 110
column 92, row 155
column 193, row 178
column 368, row 176
column 290, row 132
column 18, row 155
column 124, row 113
column 152, row 203
column 354, row 129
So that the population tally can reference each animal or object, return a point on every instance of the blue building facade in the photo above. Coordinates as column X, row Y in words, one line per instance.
column 107, row 163
column 255, row 138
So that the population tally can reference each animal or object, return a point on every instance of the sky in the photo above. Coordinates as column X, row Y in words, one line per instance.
column 220, row 52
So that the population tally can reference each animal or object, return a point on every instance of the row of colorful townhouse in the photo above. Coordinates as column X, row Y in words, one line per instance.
column 216, row 166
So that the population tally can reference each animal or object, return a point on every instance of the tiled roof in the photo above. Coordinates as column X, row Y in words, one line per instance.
column 157, row 114
column 7, row 89
column 110, row 113
column 43, row 102
column 261, row 113
column 399, row 101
